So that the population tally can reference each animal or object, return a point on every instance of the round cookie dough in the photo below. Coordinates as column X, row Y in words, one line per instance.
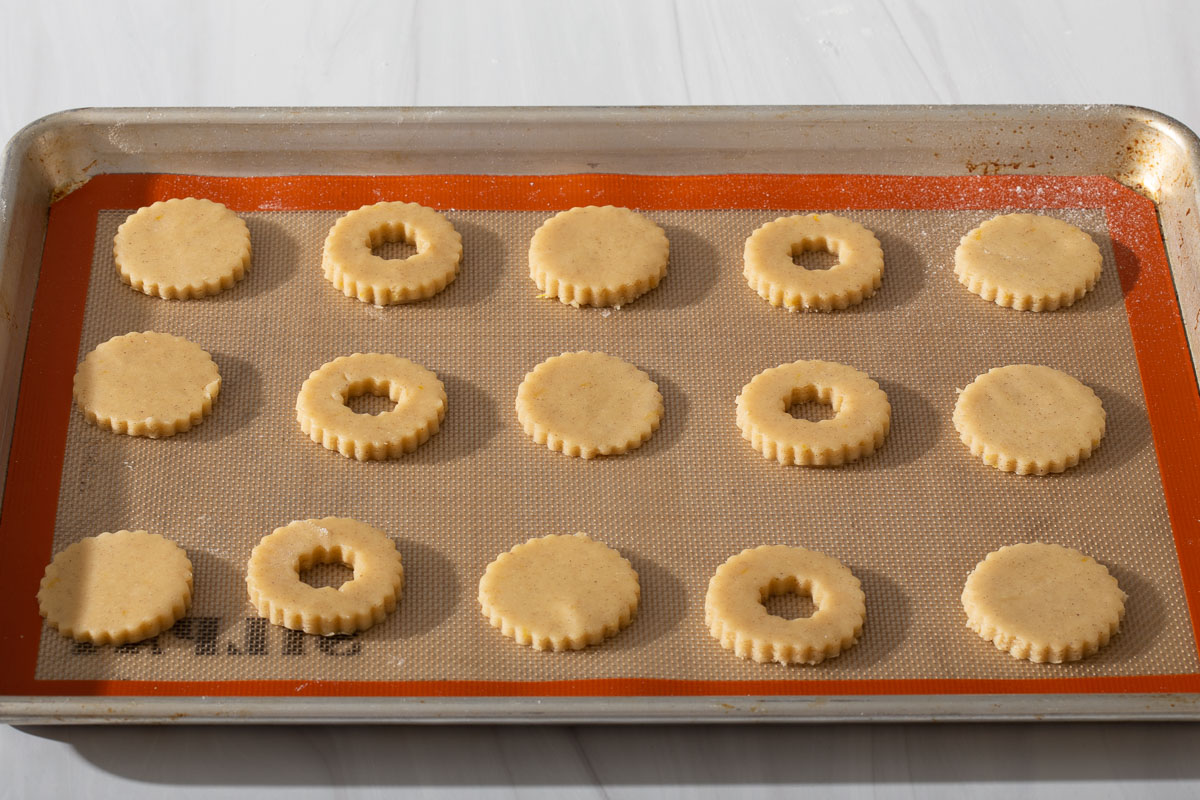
column 737, row 618
column 419, row 396
column 273, row 576
column 1043, row 602
column 350, row 265
column 559, row 592
column 116, row 588
column 770, row 270
column 147, row 384
column 182, row 248
column 598, row 256
column 588, row 404
column 1028, row 262
column 860, row 424
column 1029, row 419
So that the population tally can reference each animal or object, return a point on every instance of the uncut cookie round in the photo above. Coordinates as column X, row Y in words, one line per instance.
column 598, row 256
column 1028, row 262
column 862, row 414
column 588, row 404
column 182, row 248
column 1043, row 602
column 116, row 588
column 1029, row 419
column 559, row 592
column 737, row 618
column 349, row 264
column 419, row 396
column 770, row 270
column 279, row 595
column 146, row 384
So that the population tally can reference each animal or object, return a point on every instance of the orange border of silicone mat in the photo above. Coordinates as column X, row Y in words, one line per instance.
column 44, row 404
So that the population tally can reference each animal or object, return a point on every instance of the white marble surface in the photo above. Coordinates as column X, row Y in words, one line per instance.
column 56, row 55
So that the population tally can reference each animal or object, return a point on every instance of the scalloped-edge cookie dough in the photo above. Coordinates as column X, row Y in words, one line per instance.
column 737, row 618
column 1028, row 262
column 279, row 595
column 770, row 270
column 1029, row 419
column 182, row 248
column 419, row 396
column 559, row 592
column 116, row 588
column 598, row 256
column 147, row 384
column 1043, row 602
column 588, row 404
column 350, row 265
column 862, row 414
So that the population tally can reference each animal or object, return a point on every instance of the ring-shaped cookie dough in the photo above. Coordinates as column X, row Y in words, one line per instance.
column 862, row 414
column 589, row 404
column 350, row 265
column 146, row 384
column 598, row 256
column 116, row 588
column 1028, row 262
column 419, row 396
column 559, row 592
column 770, row 270
column 182, row 248
column 1029, row 419
column 279, row 595
column 1043, row 602
column 737, row 618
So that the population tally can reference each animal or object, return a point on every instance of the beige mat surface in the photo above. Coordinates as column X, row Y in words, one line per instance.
column 911, row 521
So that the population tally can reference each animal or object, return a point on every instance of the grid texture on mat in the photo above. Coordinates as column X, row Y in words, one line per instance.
column 911, row 521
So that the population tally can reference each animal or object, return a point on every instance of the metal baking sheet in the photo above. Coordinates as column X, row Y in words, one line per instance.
column 790, row 141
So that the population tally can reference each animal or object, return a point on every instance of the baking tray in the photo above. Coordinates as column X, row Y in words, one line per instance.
column 1139, row 149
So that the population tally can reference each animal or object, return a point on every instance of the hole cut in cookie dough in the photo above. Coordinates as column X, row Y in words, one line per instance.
column 790, row 603
column 398, row 250
column 860, row 422
column 278, row 592
column 366, row 402
column 811, row 410
column 351, row 264
column 774, row 262
column 324, row 412
column 738, row 617
column 331, row 573
column 815, row 258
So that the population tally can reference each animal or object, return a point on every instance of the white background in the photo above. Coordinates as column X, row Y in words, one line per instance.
column 56, row 55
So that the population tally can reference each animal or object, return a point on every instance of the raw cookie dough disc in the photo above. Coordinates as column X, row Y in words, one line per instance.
column 116, row 588
column 862, row 413
column 419, row 396
column 589, row 404
column 559, row 592
column 177, row 249
column 1028, row 262
column 737, row 618
column 350, row 265
column 770, row 270
column 1043, row 602
column 273, row 576
column 598, row 256
column 147, row 384
column 1029, row 419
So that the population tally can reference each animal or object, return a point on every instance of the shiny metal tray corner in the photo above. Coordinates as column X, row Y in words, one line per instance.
column 1142, row 149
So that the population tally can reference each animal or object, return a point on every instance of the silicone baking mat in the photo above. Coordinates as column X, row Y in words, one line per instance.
column 911, row 520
